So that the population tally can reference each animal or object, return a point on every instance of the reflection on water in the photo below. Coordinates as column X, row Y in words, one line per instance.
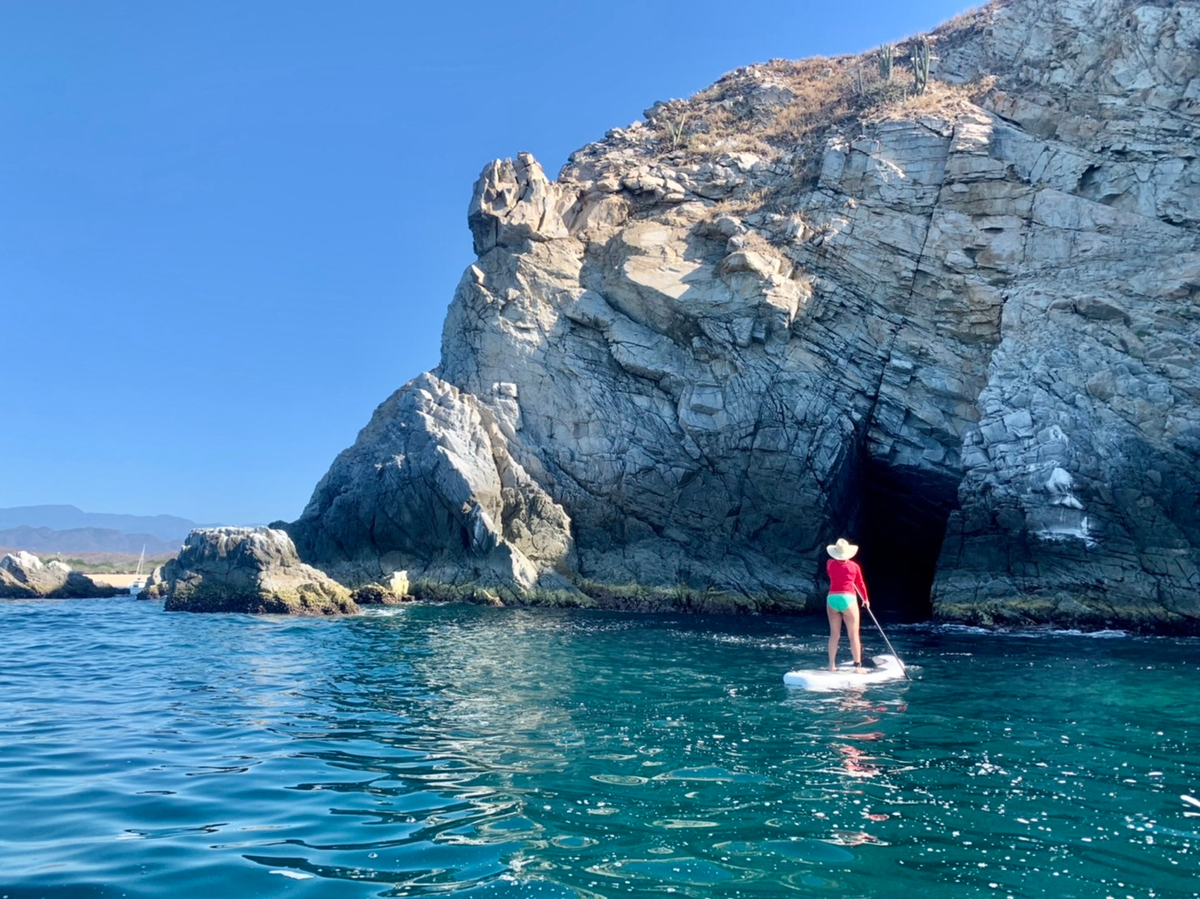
column 458, row 751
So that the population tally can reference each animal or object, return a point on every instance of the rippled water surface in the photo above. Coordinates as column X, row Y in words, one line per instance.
column 469, row 752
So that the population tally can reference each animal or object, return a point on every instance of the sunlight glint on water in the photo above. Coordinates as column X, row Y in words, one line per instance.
column 459, row 751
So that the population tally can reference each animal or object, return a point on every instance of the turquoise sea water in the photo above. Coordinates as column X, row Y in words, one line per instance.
column 471, row 752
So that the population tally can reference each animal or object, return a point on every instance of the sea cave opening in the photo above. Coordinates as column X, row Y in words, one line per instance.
column 904, row 514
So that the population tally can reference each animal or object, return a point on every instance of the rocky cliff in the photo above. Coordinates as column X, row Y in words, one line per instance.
column 958, row 325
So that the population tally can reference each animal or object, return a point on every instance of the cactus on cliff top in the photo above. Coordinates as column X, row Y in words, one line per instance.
column 887, row 56
column 921, row 56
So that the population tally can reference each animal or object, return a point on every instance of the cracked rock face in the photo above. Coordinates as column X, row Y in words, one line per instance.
column 430, row 488
column 961, row 328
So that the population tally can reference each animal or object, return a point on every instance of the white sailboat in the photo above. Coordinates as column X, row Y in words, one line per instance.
column 139, row 579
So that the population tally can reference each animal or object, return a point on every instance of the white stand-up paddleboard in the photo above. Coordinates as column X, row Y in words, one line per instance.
column 887, row 668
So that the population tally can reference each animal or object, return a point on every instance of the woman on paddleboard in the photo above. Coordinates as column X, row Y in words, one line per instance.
column 846, row 584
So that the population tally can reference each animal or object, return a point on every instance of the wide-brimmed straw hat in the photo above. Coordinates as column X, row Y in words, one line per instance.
column 842, row 550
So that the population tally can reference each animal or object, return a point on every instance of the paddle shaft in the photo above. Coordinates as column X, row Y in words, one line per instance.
column 903, row 670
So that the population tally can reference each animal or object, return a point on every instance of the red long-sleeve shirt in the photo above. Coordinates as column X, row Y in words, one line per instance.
column 846, row 577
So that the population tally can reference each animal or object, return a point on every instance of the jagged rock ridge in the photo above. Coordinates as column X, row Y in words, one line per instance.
column 960, row 327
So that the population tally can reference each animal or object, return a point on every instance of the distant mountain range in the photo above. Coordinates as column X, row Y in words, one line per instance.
column 85, row 540
column 50, row 529
column 64, row 518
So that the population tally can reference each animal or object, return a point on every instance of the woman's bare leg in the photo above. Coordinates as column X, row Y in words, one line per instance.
column 853, row 617
column 835, row 635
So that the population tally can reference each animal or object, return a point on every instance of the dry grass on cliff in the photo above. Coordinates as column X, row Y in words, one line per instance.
column 825, row 98
column 941, row 101
column 718, row 120
column 828, row 95
column 718, row 131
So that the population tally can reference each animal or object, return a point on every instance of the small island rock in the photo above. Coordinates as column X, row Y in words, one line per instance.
column 253, row 570
column 25, row 576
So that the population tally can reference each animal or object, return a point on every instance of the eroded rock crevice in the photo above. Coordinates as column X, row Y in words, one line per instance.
column 904, row 516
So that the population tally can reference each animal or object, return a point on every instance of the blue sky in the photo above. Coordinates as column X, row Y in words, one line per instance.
column 229, row 230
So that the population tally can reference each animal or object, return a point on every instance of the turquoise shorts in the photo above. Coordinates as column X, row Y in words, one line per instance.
column 840, row 602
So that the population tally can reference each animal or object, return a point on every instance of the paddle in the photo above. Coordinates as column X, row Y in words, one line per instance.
column 903, row 670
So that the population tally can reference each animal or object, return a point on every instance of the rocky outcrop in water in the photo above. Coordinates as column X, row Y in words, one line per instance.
column 25, row 576
column 959, row 327
column 248, row 570
column 393, row 591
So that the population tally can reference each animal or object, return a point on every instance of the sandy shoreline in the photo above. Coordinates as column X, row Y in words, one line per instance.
column 114, row 580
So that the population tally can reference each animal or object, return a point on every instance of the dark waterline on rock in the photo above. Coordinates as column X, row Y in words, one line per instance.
column 464, row 751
